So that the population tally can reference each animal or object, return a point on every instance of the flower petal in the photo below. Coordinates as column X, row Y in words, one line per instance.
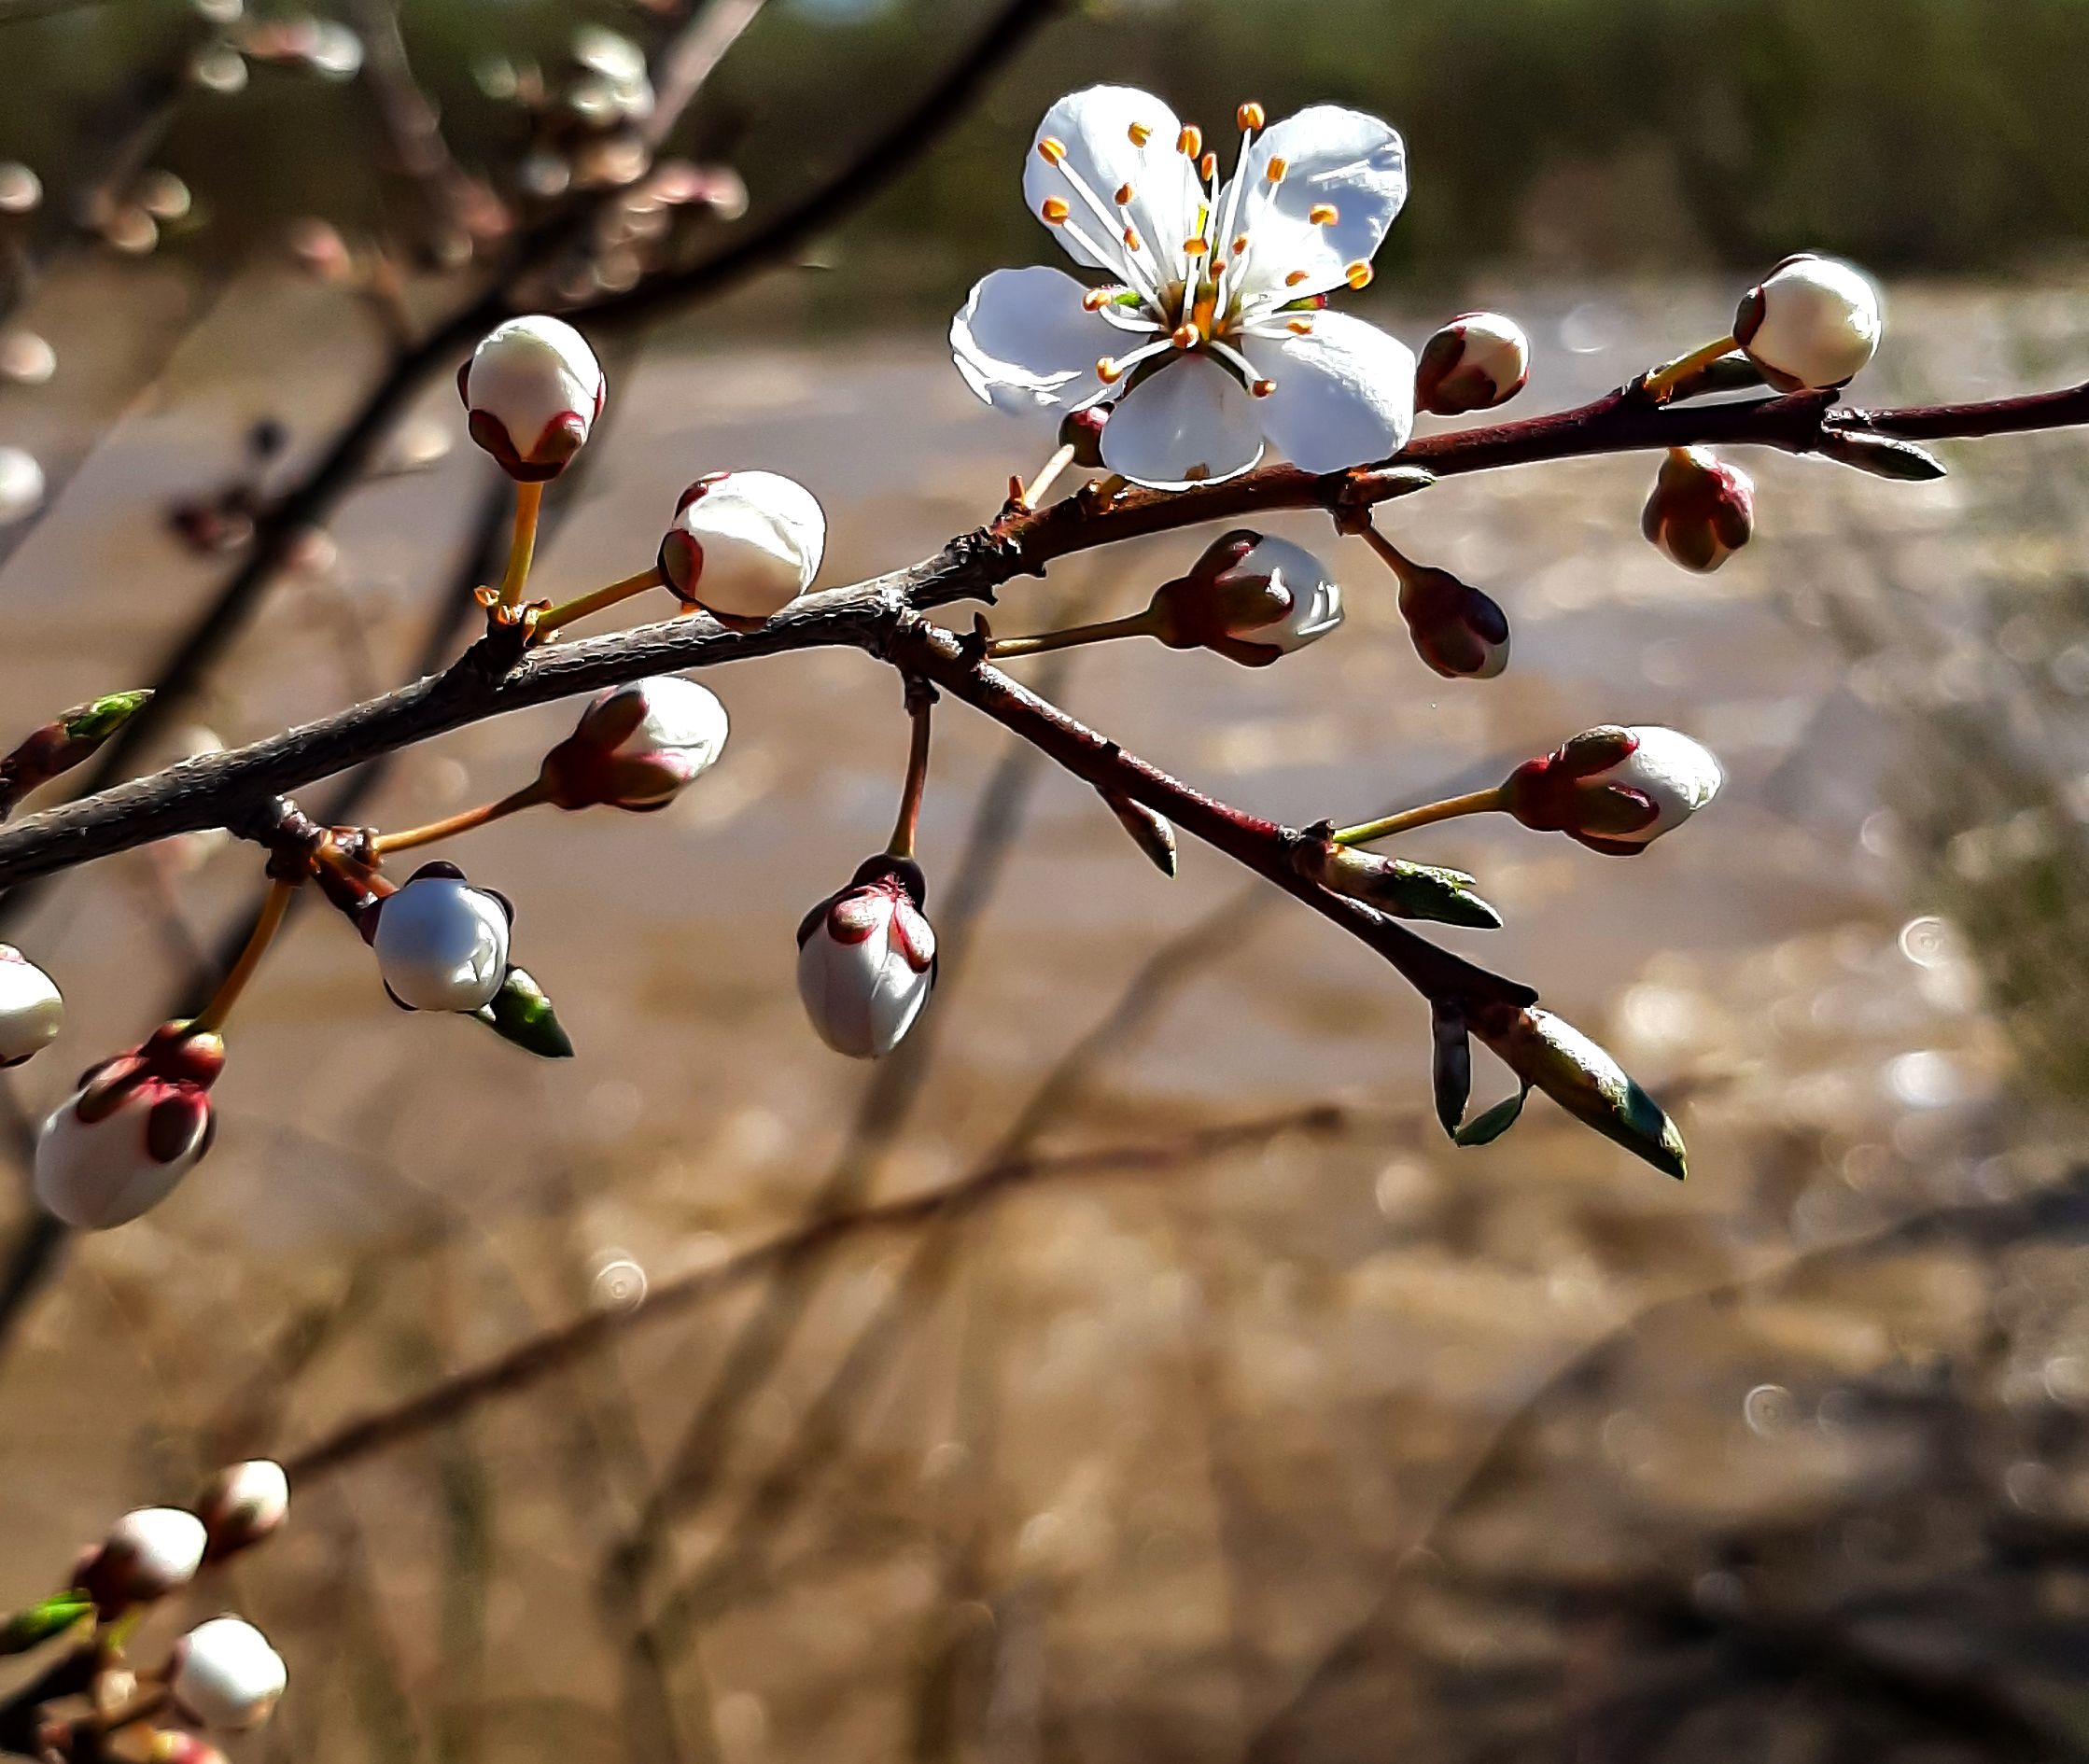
column 1095, row 128
column 1025, row 343
column 1189, row 422
column 1352, row 163
column 1344, row 397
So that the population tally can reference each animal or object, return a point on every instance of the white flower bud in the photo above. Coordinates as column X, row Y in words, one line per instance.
column 244, row 1504
column 744, row 544
column 1474, row 362
column 533, row 389
column 638, row 746
column 1615, row 790
column 116, row 1148
column 31, row 1011
column 442, row 945
column 146, row 1555
column 1700, row 510
column 1316, row 598
column 1811, row 322
column 1250, row 599
column 866, row 960
column 225, row 1675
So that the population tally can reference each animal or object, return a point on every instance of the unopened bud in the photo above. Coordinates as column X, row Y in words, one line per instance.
column 1474, row 362
column 1881, row 456
column 1460, row 632
column 1550, row 1054
column 638, row 746
column 1615, row 790
column 32, row 1009
column 522, row 1013
column 866, row 960
column 1700, row 510
column 64, row 742
column 1395, row 886
column 34, row 1624
column 441, row 943
column 1149, row 832
column 1811, row 323
column 243, row 1503
column 744, row 544
column 534, row 390
column 146, row 1555
column 138, row 1124
column 1250, row 599
column 224, row 1674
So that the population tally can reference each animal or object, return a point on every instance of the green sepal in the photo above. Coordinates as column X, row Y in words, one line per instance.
column 1484, row 1129
column 522, row 1013
column 98, row 719
column 36, row 1624
column 1881, row 456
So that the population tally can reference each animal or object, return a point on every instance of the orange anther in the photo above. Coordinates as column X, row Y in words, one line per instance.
column 1186, row 337
column 1108, row 371
column 1324, row 213
column 1124, row 194
column 1300, row 327
column 1262, row 388
column 1195, row 247
column 1295, row 278
column 1207, row 167
column 1250, row 117
column 1190, row 143
column 1054, row 209
column 1051, row 149
column 1140, row 133
column 1358, row 274
column 1278, row 167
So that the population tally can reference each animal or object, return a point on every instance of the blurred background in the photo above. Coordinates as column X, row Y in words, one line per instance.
column 1127, row 1370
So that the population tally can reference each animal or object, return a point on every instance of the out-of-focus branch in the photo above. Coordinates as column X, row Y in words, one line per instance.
column 542, row 1355
column 412, row 126
column 690, row 60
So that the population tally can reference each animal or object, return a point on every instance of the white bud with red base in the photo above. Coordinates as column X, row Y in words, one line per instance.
column 146, row 1555
column 32, row 1009
column 1700, row 510
column 638, row 746
column 866, row 960
column 243, row 1503
column 136, row 1126
column 1810, row 323
column 743, row 545
column 442, row 945
column 1615, row 790
column 534, row 390
column 1250, row 599
column 224, row 1674
column 1462, row 633
column 1474, row 362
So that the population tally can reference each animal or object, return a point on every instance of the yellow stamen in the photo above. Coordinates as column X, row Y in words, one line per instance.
column 1186, row 337
column 1124, row 194
column 1262, row 388
column 1051, row 149
column 1132, row 238
column 1190, row 143
column 1300, row 326
column 1140, row 134
column 1295, row 278
column 1095, row 299
column 1324, row 213
column 1358, row 274
column 1278, row 167
column 1108, row 371
column 1195, row 247
column 1207, row 167
column 1250, row 117
column 1054, row 210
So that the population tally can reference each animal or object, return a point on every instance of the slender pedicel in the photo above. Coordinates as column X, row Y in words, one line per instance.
column 211, row 1018
column 1662, row 381
column 527, row 797
column 1450, row 809
column 529, row 502
column 1133, row 624
column 920, row 699
column 594, row 602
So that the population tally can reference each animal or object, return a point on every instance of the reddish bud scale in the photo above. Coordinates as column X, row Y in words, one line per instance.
column 1556, row 792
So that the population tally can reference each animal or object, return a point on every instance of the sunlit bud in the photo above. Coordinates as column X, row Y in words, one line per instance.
column 1149, row 832
column 136, row 1126
column 744, row 544
column 1474, row 362
column 1249, row 598
column 442, row 945
column 177, row 1746
column 1460, row 632
column 64, row 742
column 1811, row 322
column 20, row 190
column 1081, row 430
column 1700, row 510
column 146, row 1555
column 1615, row 790
column 1394, row 885
column 243, row 1503
column 638, row 745
column 31, row 1010
column 224, row 1674
column 1549, row 1054
column 534, row 389
column 866, row 959
column 26, row 359
column 21, row 485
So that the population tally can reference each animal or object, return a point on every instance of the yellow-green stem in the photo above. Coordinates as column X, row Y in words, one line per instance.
column 594, row 602
column 902, row 845
column 1664, row 379
column 527, row 797
column 1474, row 803
column 211, row 1018
column 529, row 502
column 1134, row 625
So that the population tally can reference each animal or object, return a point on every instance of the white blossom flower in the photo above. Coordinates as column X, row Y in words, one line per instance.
column 32, row 1009
column 1615, row 790
column 533, row 389
column 744, row 544
column 225, row 1674
column 1208, row 331
column 243, row 1503
column 138, row 1124
column 146, row 1555
column 638, row 746
column 1250, row 599
column 442, row 945
column 1811, row 322
column 866, row 960
column 1474, row 362
column 1700, row 510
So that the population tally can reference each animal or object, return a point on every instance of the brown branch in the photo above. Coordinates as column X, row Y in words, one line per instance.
column 546, row 1354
